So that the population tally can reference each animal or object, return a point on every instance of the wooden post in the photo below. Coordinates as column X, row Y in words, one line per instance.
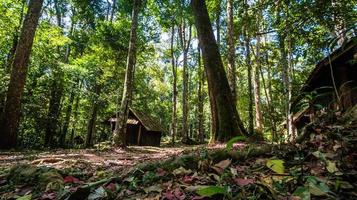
column 139, row 135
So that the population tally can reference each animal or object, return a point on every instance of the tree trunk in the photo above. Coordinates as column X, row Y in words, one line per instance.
column 185, row 45
column 122, row 116
column 257, row 101
column 93, row 118
column 249, row 66
column 75, row 118
column 174, row 87
column 54, row 108
column 229, row 123
column 250, row 88
column 200, row 97
column 10, row 124
column 67, row 117
column 231, row 69
column 218, row 22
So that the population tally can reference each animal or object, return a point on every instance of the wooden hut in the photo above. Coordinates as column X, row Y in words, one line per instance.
column 333, row 83
column 142, row 129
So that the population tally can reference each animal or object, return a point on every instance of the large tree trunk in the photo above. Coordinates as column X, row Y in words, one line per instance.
column 122, row 116
column 185, row 45
column 9, row 127
column 231, row 69
column 229, row 123
column 200, row 97
column 174, row 87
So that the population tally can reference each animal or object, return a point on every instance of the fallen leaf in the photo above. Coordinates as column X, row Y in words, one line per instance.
column 160, row 172
column 153, row 188
column 209, row 191
column 276, row 165
column 48, row 196
column 221, row 166
column 111, row 186
column 331, row 167
column 181, row 171
column 26, row 197
column 303, row 193
column 99, row 193
column 243, row 182
column 71, row 179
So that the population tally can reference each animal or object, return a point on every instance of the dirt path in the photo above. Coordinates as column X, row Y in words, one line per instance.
column 91, row 160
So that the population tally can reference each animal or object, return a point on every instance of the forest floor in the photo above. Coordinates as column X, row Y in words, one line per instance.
column 89, row 161
column 322, row 165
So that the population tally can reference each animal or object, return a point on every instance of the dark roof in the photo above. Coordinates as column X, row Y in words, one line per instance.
column 149, row 122
column 325, row 63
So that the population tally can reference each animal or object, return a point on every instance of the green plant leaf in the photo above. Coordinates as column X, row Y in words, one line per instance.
column 303, row 193
column 26, row 197
column 230, row 143
column 276, row 165
column 208, row 191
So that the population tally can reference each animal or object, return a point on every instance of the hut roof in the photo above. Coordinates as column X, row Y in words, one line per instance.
column 324, row 64
column 149, row 122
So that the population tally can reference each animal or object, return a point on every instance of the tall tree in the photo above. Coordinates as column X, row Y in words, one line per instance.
column 122, row 116
column 185, row 40
column 231, row 69
column 257, row 98
column 174, row 86
column 10, row 124
column 200, row 96
column 229, row 123
column 249, row 66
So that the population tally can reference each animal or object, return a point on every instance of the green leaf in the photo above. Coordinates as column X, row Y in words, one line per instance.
column 26, row 197
column 208, row 191
column 317, row 187
column 303, row 193
column 230, row 143
column 331, row 167
column 276, row 165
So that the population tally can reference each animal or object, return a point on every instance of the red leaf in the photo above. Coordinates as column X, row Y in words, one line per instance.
column 169, row 195
column 71, row 179
column 198, row 198
column 111, row 186
column 160, row 172
column 188, row 179
column 48, row 196
column 243, row 182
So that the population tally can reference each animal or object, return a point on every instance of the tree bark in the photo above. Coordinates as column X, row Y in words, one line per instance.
column 75, row 118
column 185, row 45
column 249, row 66
column 257, row 101
column 229, row 123
column 231, row 69
column 218, row 22
column 93, row 118
column 200, row 97
column 122, row 116
column 10, row 124
column 54, row 108
column 174, row 88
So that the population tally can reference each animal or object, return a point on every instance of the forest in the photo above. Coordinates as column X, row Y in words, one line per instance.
column 178, row 99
